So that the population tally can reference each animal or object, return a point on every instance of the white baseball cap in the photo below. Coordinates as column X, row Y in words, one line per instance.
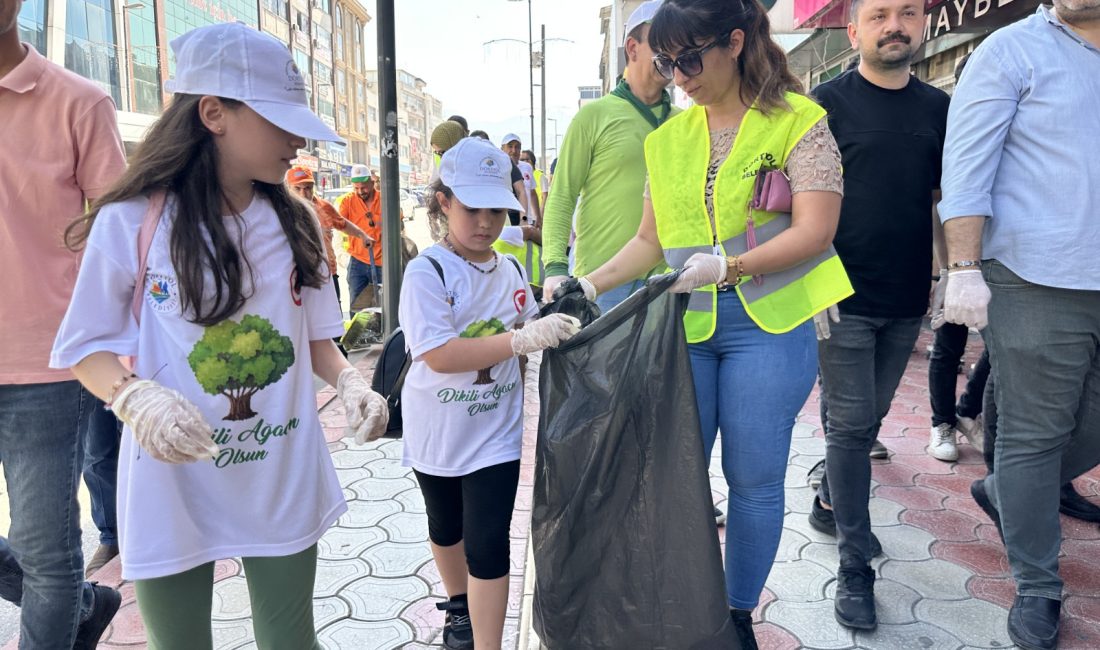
column 361, row 174
column 234, row 61
column 509, row 137
column 642, row 15
column 479, row 174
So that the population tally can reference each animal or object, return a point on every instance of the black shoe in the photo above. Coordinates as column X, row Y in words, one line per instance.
column 742, row 625
column 855, row 598
column 977, row 490
column 105, row 602
column 458, row 634
column 824, row 521
column 1076, row 506
column 1033, row 622
column 719, row 516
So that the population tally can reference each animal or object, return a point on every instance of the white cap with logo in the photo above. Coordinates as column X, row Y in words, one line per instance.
column 479, row 174
column 361, row 174
column 642, row 15
column 234, row 61
column 509, row 137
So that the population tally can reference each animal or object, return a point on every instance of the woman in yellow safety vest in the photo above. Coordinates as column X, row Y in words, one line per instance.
column 756, row 278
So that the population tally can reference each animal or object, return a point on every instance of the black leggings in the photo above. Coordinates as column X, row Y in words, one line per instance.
column 476, row 507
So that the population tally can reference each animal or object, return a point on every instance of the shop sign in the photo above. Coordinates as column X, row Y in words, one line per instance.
column 975, row 16
column 307, row 160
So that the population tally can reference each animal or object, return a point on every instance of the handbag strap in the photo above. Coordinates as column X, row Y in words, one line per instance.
column 145, row 242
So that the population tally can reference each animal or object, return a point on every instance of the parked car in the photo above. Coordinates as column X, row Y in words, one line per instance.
column 408, row 203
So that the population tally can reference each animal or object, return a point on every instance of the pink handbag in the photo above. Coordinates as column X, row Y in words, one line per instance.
column 770, row 193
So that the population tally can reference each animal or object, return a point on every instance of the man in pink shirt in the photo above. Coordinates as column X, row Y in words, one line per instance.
column 62, row 149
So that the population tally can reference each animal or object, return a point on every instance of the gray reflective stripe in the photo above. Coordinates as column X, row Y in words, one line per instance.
column 677, row 257
column 772, row 282
column 701, row 300
column 528, row 266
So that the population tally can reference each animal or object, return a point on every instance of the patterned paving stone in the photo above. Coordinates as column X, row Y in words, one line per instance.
column 380, row 599
column 357, row 457
column 894, row 602
column 412, row 501
column 976, row 622
column 773, row 637
column 391, row 560
column 999, row 591
column 790, row 546
column 954, row 484
column 982, row 558
column 800, row 498
column 945, row 525
column 389, row 468
column 361, row 635
column 804, row 430
column 367, row 514
column 332, row 576
column 811, row 623
column 346, row 544
column 406, row 527
column 231, row 634
column 425, row 619
column 231, row 599
column 884, row 512
column 914, row 635
column 930, row 578
column 380, row 489
column 329, row 610
column 892, row 474
column 1079, row 634
column 913, row 498
column 809, row 446
column 905, row 542
column 799, row 582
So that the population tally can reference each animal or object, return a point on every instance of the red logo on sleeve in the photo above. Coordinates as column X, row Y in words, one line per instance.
column 519, row 299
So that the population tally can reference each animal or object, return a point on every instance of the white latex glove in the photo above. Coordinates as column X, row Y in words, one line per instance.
column 701, row 269
column 821, row 321
column 937, row 300
column 966, row 300
column 367, row 411
column 549, row 285
column 588, row 288
column 546, row 332
column 165, row 423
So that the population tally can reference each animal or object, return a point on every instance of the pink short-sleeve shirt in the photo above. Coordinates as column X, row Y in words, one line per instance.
column 63, row 147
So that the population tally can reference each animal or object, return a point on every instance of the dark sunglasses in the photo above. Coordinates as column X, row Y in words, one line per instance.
column 690, row 63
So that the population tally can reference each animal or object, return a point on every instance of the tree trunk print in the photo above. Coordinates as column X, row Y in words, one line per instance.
column 240, row 406
column 483, row 377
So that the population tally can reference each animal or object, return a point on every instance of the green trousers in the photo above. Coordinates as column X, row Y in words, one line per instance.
column 176, row 609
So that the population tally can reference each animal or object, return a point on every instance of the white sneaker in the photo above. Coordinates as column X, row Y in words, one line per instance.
column 941, row 443
column 973, row 430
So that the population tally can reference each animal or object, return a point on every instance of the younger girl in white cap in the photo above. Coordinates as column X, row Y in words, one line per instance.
column 201, row 264
column 463, row 396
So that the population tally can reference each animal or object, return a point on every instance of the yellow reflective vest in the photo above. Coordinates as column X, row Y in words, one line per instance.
column 677, row 157
column 529, row 255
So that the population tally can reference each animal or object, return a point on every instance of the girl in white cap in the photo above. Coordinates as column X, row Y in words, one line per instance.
column 461, row 305
column 201, row 264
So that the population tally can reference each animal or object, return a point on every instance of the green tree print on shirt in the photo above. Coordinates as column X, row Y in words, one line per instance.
column 239, row 359
column 481, row 329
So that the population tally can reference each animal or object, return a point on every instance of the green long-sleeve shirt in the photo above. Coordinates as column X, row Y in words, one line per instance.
column 601, row 173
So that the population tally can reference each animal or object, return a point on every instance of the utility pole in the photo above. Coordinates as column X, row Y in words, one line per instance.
column 391, row 180
column 542, row 67
column 531, row 67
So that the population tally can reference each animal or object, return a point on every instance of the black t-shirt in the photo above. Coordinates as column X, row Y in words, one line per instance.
column 891, row 145
column 517, row 175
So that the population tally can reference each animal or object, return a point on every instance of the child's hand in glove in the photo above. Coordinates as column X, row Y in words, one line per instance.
column 546, row 332
column 367, row 411
column 165, row 423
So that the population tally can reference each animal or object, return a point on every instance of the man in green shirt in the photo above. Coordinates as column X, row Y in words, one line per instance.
column 602, row 163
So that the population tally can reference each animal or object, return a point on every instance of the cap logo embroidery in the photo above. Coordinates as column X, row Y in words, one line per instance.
column 294, row 78
column 489, row 167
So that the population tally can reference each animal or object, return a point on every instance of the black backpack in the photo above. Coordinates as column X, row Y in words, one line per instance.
column 395, row 361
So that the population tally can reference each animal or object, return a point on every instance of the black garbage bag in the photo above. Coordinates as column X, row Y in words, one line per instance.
column 569, row 300
column 625, row 545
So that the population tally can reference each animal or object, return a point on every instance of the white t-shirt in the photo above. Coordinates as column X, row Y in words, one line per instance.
column 272, row 491
column 456, row 424
column 528, row 175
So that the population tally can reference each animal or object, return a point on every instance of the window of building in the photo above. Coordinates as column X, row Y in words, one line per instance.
column 277, row 7
column 184, row 15
column 373, row 115
column 361, row 123
column 342, row 117
column 374, row 143
column 341, row 82
column 322, row 39
column 302, row 21
column 144, row 62
column 323, row 72
column 360, row 95
column 323, row 5
column 32, row 24
column 301, row 59
column 91, row 49
column 325, row 107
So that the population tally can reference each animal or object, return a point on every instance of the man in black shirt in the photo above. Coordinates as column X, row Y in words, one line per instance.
column 890, row 128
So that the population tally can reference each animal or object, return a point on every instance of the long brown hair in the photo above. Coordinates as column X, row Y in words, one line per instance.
column 179, row 155
column 762, row 66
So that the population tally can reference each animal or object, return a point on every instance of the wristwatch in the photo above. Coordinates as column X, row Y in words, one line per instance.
column 964, row 264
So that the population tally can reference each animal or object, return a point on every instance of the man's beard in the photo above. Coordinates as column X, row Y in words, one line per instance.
column 1077, row 11
column 894, row 59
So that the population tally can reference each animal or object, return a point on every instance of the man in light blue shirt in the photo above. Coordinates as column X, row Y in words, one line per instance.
column 1021, row 212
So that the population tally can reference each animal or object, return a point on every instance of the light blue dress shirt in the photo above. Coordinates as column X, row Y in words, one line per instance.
column 1023, row 148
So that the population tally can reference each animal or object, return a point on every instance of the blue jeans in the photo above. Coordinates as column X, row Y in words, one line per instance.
column 42, row 427
column 751, row 384
column 101, row 447
column 359, row 277
column 861, row 365
column 1043, row 346
column 606, row 301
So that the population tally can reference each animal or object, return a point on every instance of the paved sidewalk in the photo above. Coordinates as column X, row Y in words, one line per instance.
column 943, row 580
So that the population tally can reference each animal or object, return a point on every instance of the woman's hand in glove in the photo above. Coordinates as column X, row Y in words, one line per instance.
column 701, row 269
column 367, row 411
column 165, row 423
column 546, row 332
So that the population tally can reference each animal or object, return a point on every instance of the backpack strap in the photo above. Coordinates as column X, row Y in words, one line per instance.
column 145, row 242
column 395, row 392
column 512, row 259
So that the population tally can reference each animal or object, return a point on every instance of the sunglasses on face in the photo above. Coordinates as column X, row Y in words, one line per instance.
column 690, row 63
